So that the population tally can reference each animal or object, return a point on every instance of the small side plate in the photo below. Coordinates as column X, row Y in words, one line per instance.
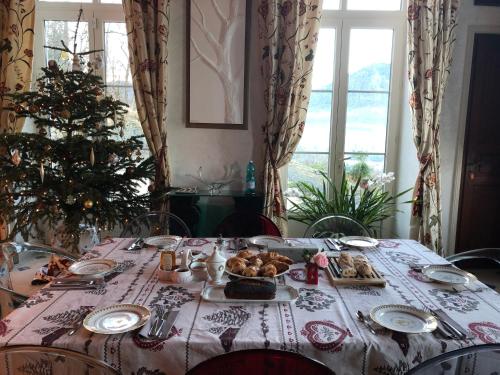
column 448, row 275
column 359, row 241
column 115, row 319
column 92, row 267
column 162, row 241
column 215, row 293
column 403, row 318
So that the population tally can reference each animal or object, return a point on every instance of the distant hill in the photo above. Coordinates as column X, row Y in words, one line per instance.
column 375, row 77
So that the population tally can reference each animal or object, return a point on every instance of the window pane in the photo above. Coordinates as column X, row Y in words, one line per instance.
column 366, row 122
column 331, row 4
column 305, row 167
column 55, row 31
column 116, row 54
column 370, row 56
column 374, row 4
column 363, row 165
column 316, row 136
column 322, row 77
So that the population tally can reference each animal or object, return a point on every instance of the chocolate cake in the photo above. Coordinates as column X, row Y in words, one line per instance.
column 250, row 289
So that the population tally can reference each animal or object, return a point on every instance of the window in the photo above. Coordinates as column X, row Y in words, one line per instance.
column 102, row 27
column 356, row 92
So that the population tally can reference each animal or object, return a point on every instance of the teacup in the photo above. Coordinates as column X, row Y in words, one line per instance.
column 178, row 275
column 183, row 275
column 199, row 271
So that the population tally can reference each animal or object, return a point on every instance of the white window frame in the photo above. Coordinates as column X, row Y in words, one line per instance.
column 343, row 21
column 95, row 13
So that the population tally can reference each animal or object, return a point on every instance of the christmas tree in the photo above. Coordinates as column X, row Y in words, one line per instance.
column 77, row 168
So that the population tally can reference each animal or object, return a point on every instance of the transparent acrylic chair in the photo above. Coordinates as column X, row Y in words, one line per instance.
column 156, row 223
column 32, row 359
column 336, row 226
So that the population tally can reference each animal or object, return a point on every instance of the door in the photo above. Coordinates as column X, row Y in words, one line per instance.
column 479, row 210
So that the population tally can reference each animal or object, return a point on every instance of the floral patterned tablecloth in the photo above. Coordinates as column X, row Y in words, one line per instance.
column 320, row 324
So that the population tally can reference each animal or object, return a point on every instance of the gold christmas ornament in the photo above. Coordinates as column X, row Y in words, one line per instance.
column 88, row 203
column 64, row 55
column 92, row 156
column 16, row 158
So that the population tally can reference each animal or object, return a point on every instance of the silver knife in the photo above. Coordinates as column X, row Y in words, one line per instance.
column 135, row 244
column 452, row 324
column 334, row 244
column 166, row 324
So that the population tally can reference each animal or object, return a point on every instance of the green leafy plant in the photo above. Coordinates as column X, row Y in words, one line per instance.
column 368, row 206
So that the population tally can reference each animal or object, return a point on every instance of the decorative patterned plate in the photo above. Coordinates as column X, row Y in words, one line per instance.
column 266, row 241
column 115, row 319
column 359, row 241
column 448, row 275
column 92, row 267
column 162, row 241
column 403, row 318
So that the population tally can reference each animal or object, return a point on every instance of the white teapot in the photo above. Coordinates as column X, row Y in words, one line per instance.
column 216, row 264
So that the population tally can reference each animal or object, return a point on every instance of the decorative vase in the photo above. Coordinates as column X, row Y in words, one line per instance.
column 216, row 265
column 312, row 273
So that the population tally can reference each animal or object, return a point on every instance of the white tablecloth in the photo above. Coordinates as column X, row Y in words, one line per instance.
column 320, row 324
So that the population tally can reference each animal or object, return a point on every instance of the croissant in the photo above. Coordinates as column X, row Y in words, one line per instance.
column 266, row 257
column 255, row 261
column 234, row 260
column 238, row 267
column 251, row 271
column 280, row 266
column 245, row 254
column 284, row 259
column 268, row 270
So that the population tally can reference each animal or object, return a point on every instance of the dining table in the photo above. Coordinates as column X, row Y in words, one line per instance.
column 321, row 323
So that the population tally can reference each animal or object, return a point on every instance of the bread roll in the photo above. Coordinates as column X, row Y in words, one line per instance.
column 365, row 270
column 345, row 260
column 255, row 261
column 238, row 267
column 349, row 272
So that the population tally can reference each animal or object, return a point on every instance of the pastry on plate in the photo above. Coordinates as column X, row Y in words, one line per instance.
column 250, row 271
column 245, row 254
column 280, row 266
column 268, row 270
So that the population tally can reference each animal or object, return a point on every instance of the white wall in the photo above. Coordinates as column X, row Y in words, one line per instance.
column 190, row 148
column 452, row 118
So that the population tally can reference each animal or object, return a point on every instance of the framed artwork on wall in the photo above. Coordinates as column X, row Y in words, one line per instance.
column 495, row 3
column 217, row 63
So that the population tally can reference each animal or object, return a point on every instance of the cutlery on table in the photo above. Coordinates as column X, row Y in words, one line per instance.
column 77, row 325
column 328, row 245
column 452, row 324
column 419, row 267
column 166, row 324
column 163, row 318
column 154, row 324
column 334, row 268
column 363, row 320
column 334, row 244
column 135, row 245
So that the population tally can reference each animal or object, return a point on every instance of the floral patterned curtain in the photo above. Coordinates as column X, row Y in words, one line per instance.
column 148, row 29
column 288, row 33
column 17, row 19
column 431, row 37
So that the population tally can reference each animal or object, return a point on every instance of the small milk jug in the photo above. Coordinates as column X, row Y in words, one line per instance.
column 216, row 264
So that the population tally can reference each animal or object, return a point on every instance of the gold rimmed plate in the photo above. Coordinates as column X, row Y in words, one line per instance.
column 115, row 319
column 162, row 241
column 359, row 242
column 266, row 241
column 448, row 275
column 403, row 318
column 93, row 267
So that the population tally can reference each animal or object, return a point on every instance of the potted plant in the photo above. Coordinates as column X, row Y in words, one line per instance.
column 365, row 201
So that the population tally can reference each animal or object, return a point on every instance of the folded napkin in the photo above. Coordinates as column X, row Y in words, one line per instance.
column 57, row 266
column 167, row 325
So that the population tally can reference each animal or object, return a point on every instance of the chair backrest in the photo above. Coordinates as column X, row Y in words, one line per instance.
column 492, row 254
column 156, row 223
column 262, row 362
column 480, row 359
column 246, row 224
column 336, row 226
column 32, row 359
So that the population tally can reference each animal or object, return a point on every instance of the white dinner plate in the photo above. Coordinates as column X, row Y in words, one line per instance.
column 92, row 267
column 403, row 318
column 115, row 319
column 162, row 241
column 266, row 241
column 359, row 241
column 448, row 275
